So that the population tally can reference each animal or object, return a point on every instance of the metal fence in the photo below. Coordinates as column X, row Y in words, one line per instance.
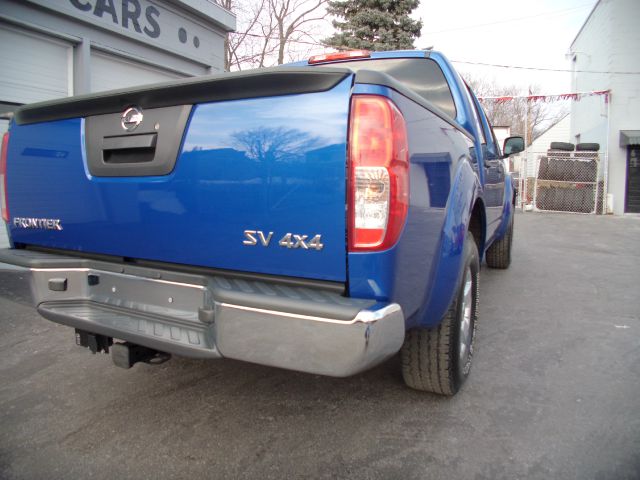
column 562, row 180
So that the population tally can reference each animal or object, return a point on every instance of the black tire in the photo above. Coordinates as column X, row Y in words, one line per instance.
column 499, row 253
column 588, row 171
column 543, row 168
column 556, row 169
column 541, row 198
column 587, row 147
column 564, row 146
column 431, row 357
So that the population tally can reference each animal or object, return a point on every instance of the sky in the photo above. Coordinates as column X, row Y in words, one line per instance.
column 506, row 32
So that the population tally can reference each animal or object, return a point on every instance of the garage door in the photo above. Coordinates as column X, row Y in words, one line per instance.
column 34, row 67
column 110, row 71
column 4, row 241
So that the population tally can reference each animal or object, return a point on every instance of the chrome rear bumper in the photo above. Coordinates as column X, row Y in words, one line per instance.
column 288, row 326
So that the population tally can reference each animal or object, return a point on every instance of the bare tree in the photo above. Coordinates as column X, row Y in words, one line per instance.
column 276, row 144
column 291, row 16
column 271, row 32
column 519, row 114
column 250, row 46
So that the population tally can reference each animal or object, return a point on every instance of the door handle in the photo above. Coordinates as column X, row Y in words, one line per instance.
column 129, row 141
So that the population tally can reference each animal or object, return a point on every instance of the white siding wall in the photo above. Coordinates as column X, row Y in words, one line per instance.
column 561, row 132
column 609, row 42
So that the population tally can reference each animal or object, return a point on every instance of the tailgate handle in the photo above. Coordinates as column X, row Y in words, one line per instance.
column 130, row 149
column 129, row 142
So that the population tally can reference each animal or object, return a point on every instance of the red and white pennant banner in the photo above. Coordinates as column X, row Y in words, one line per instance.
column 549, row 98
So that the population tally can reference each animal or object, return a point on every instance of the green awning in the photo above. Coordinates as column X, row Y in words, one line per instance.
column 629, row 137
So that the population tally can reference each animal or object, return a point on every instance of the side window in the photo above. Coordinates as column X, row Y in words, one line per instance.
column 495, row 142
column 493, row 149
column 489, row 145
column 476, row 117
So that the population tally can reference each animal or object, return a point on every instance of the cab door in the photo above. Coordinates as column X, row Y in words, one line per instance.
column 494, row 171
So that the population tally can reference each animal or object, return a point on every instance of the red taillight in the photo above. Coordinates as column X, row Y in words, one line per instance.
column 378, row 174
column 331, row 57
column 3, row 178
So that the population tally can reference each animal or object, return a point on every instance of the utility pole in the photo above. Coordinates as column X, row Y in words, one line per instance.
column 526, row 123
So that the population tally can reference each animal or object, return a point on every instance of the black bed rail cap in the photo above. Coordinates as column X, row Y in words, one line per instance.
column 210, row 88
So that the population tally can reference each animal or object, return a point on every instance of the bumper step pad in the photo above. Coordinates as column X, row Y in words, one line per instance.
column 149, row 330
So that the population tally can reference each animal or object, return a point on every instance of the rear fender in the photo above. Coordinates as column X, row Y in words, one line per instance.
column 466, row 189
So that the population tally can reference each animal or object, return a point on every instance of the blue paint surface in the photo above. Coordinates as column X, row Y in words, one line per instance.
column 276, row 165
column 271, row 164
column 420, row 272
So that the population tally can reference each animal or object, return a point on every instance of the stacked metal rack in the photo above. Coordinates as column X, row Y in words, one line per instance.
column 567, row 179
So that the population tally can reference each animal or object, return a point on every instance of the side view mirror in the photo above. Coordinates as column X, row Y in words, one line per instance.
column 513, row 145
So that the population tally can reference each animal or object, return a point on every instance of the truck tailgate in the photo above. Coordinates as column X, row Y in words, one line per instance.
column 255, row 184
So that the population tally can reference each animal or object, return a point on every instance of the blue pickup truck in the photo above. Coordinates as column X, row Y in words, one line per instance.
column 320, row 216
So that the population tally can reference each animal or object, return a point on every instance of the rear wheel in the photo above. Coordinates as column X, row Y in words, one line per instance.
column 499, row 253
column 438, row 359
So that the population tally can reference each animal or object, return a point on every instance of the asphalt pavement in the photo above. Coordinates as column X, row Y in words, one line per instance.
column 554, row 391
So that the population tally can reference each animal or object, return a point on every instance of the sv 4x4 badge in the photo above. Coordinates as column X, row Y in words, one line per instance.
column 290, row 240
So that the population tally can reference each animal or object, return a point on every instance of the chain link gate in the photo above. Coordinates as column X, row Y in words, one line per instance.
column 560, row 180
column 552, row 175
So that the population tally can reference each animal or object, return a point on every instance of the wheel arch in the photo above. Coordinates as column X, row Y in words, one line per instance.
column 477, row 225
column 464, row 206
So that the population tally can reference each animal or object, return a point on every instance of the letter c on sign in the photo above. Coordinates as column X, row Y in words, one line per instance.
column 85, row 7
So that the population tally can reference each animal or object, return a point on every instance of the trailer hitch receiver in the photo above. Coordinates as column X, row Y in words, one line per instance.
column 126, row 355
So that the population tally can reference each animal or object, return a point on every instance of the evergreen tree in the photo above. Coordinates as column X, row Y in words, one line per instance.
column 374, row 24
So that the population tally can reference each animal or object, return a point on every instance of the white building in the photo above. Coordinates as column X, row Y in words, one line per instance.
column 605, row 56
column 501, row 133
column 560, row 132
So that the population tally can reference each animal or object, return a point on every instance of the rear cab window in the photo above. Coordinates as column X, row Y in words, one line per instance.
column 422, row 75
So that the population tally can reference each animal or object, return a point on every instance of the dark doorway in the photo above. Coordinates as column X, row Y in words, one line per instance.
column 632, row 200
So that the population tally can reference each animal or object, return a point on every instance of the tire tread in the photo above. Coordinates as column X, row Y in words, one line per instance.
column 498, row 255
column 426, row 356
